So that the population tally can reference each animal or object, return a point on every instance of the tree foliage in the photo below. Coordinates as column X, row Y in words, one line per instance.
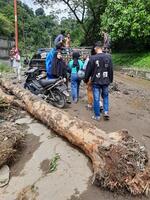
column 6, row 26
column 128, row 20
column 71, row 26
column 34, row 31
column 86, row 12
column 39, row 12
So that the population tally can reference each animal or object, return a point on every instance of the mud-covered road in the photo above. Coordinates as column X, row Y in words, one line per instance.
column 30, row 175
column 129, row 109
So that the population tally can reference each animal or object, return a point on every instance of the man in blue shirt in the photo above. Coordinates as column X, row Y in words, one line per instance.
column 49, row 59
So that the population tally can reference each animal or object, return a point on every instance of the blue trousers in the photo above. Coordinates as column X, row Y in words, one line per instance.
column 75, row 83
column 100, row 90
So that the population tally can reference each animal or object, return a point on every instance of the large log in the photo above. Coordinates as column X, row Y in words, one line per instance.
column 119, row 162
column 10, row 99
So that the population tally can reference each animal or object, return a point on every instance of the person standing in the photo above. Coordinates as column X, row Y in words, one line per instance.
column 26, row 61
column 100, row 70
column 89, row 87
column 17, row 64
column 68, row 43
column 106, row 42
column 49, row 59
column 60, row 38
column 11, row 56
column 59, row 68
column 75, row 65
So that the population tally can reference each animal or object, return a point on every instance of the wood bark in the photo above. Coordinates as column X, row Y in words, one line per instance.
column 10, row 99
column 119, row 162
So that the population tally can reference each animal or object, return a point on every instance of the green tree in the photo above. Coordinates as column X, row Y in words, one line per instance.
column 86, row 12
column 128, row 20
column 39, row 12
column 71, row 26
column 34, row 31
column 6, row 27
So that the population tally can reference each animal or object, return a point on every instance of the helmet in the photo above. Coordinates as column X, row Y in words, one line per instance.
column 81, row 74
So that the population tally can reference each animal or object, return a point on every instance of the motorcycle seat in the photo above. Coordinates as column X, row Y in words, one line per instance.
column 45, row 82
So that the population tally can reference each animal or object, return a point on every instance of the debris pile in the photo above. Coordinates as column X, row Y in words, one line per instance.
column 10, row 140
column 114, row 87
column 11, row 135
column 124, row 167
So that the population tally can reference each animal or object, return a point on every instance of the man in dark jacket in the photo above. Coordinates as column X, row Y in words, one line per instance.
column 100, row 70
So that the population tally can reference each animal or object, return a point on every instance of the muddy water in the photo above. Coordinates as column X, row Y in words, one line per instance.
column 32, row 180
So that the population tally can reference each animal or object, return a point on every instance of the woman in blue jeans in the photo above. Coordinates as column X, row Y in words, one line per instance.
column 75, row 64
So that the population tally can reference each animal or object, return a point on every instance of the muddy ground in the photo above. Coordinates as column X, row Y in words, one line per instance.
column 30, row 175
column 129, row 109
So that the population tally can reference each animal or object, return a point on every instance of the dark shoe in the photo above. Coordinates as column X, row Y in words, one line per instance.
column 101, row 108
column 68, row 101
column 106, row 116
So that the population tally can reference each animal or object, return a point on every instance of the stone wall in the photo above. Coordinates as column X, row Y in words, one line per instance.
column 5, row 46
column 137, row 73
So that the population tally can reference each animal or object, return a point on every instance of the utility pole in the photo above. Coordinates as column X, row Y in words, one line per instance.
column 50, row 41
column 16, row 24
column 23, row 34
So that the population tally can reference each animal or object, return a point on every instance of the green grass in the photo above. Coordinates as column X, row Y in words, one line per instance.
column 54, row 163
column 4, row 68
column 133, row 60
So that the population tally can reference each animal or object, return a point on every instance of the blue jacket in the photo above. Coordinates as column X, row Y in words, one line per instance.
column 49, row 59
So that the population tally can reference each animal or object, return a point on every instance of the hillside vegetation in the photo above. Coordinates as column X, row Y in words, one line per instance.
column 134, row 60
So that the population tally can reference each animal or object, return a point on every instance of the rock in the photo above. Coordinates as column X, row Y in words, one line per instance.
column 126, row 92
column 4, row 175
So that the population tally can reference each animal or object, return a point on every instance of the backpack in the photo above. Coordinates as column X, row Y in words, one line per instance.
column 81, row 74
column 101, row 71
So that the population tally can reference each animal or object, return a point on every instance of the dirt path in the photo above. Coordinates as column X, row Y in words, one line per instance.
column 129, row 109
column 30, row 175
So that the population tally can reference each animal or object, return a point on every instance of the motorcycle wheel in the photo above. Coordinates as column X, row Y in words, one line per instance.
column 60, row 99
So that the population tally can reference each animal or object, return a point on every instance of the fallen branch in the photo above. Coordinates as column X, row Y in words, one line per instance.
column 119, row 162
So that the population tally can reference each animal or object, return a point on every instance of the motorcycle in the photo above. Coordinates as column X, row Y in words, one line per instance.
column 53, row 91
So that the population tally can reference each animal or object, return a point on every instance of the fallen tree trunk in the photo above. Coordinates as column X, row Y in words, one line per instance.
column 119, row 162
column 9, row 99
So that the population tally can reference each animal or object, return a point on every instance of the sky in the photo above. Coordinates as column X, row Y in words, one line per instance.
column 60, row 6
